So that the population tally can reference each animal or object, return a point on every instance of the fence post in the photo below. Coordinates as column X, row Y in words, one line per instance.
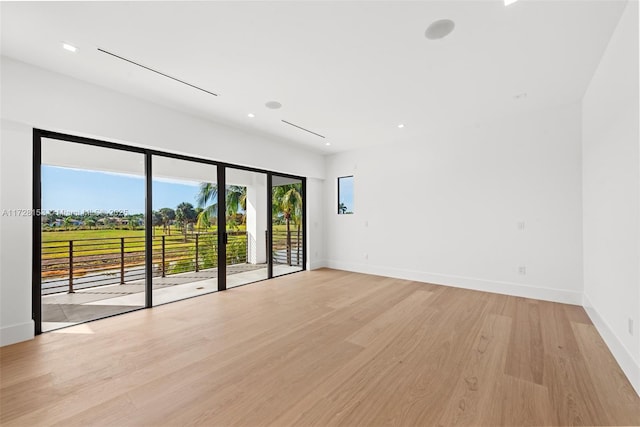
column 71, row 291
column 197, row 234
column 122, row 260
column 163, row 265
column 298, row 247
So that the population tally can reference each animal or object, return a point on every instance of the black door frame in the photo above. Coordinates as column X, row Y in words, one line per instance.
column 36, row 273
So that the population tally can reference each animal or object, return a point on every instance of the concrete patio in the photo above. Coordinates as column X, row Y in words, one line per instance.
column 64, row 309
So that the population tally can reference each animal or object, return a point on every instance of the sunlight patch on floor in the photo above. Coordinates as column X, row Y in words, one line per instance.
column 78, row 329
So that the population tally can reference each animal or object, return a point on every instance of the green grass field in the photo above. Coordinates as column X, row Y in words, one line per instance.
column 66, row 235
column 52, row 236
column 106, row 241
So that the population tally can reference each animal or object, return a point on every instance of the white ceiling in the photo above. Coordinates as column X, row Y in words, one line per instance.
column 349, row 70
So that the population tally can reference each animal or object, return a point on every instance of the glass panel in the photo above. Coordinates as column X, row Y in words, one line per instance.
column 93, row 251
column 246, row 216
column 185, row 239
column 345, row 195
column 286, row 217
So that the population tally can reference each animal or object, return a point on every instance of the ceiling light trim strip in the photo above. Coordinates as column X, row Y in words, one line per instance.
column 300, row 127
column 157, row 72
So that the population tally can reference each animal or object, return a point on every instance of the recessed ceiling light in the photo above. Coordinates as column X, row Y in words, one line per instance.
column 400, row 126
column 251, row 115
column 439, row 29
column 508, row 2
column 274, row 105
column 69, row 47
column 327, row 144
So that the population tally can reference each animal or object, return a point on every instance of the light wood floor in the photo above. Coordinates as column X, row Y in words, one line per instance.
column 323, row 348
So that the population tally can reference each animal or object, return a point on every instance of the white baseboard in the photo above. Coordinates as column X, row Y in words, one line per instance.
column 314, row 265
column 629, row 366
column 505, row 288
column 627, row 363
column 16, row 333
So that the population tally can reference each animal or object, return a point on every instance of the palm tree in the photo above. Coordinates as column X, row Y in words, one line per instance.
column 167, row 215
column 203, row 220
column 156, row 220
column 208, row 193
column 287, row 201
column 67, row 222
column 200, row 225
column 186, row 215
column 235, row 200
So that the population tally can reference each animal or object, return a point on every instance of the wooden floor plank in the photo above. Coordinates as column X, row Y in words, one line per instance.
column 525, row 356
column 323, row 348
column 473, row 391
column 557, row 334
column 516, row 402
column 429, row 360
column 576, row 402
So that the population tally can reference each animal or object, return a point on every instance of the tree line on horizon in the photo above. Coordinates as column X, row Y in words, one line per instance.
column 286, row 208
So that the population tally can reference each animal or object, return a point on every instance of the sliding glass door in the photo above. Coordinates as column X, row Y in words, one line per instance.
column 246, row 226
column 287, row 224
column 119, row 228
column 92, row 254
column 185, row 232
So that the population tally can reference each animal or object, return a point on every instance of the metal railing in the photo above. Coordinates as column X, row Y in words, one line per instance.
column 71, row 264
column 281, row 254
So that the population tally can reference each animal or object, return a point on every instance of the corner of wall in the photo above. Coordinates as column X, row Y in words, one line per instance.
column 493, row 286
column 317, row 264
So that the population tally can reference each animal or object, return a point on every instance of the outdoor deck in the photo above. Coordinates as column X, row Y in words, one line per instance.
column 65, row 309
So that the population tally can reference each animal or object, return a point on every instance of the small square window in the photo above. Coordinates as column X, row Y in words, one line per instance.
column 345, row 195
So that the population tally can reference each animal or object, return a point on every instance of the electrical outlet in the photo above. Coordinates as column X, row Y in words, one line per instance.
column 366, row 256
column 630, row 326
column 522, row 270
column 520, row 225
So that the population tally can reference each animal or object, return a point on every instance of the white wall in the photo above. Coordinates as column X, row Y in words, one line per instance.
column 257, row 218
column 447, row 209
column 33, row 97
column 316, row 253
column 611, row 177
column 15, row 233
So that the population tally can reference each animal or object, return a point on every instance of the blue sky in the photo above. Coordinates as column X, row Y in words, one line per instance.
column 80, row 190
column 346, row 193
